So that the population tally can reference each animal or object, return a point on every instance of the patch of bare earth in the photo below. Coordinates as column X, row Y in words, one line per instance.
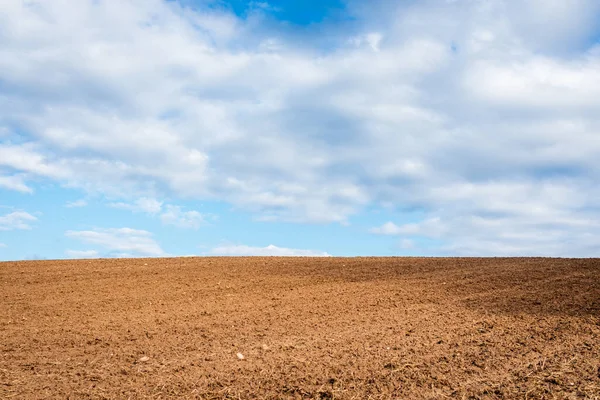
column 326, row 328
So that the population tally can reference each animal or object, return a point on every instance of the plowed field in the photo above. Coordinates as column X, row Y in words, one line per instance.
column 324, row 328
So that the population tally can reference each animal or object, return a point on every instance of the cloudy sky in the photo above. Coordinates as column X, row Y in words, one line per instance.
column 330, row 127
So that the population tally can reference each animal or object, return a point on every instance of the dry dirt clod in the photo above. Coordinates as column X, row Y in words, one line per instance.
column 144, row 359
column 265, row 347
column 240, row 356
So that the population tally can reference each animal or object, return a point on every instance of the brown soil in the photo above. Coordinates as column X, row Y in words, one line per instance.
column 343, row 328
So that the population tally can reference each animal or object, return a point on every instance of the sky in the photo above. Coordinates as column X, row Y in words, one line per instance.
column 151, row 128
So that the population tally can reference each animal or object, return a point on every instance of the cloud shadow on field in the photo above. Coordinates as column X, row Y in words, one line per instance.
column 532, row 286
column 559, row 291
column 509, row 286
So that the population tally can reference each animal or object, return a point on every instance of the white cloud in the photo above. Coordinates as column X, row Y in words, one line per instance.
column 372, row 39
column 3, row 245
column 169, row 214
column 415, row 106
column 509, row 219
column 554, row 25
column 270, row 250
column 26, row 158
column 81, row 253
column 537, row 82
column 144, row 204
column 15, row 182
column 76, row 203
column 16, row 220
column 389, row 228
column 174, row 215
column 120, row 241
column 431, row 227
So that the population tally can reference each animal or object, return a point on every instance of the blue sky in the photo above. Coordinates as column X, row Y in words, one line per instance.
column 346, row 128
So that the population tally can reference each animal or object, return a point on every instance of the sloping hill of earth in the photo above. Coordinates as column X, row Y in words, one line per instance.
column 320, row 328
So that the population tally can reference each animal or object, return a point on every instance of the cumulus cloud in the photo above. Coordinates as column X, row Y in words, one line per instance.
column 463, row 110
column 508, row 219
column 15, row 182
column 16, row 220
column 26, row 159
column 169, row 214
column 270, row 250
column 144, row 204
column 76, row 203
column 81, row 253
column 389, row 228
column 174, row 215
column 120, row 242
column 430, row 227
